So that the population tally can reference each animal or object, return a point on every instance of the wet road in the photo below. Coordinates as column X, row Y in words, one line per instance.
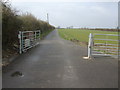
column 57, row 63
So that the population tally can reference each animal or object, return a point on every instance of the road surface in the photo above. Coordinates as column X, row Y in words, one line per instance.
column 58, row 63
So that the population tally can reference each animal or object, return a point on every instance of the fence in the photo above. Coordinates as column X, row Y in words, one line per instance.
column 28, row 39
column 103, row 45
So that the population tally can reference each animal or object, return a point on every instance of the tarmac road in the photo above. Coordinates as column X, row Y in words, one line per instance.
column 58, row 63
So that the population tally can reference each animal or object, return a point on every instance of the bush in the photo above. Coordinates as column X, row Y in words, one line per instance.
column 12, row 23
column 10, row 26
column 32, row 23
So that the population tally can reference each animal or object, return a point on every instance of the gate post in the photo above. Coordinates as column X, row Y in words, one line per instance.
column 20, row 42
column 39, row 34
column 35, row 36
column 90, row 45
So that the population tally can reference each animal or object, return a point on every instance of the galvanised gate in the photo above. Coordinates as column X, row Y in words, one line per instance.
column 28, row 39
column 103, row 45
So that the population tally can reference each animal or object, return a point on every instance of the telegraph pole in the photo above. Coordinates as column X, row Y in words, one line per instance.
column 47, row 18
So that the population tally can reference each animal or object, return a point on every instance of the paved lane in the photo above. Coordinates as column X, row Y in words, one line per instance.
column 57, row 63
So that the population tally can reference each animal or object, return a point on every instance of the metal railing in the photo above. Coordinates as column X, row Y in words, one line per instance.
column 103, row 45
column 28, row 39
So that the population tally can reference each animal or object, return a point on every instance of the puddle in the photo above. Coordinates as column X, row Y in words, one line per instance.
column 17, row 74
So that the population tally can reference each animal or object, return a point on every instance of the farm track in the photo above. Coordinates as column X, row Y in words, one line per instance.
column 58, row 63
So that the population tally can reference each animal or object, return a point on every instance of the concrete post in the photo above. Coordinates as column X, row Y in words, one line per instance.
column 90, row 45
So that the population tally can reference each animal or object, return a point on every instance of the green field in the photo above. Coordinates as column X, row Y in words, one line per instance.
column 82, row 38
column 83, row 35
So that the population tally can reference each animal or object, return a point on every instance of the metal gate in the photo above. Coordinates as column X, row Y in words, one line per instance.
column 28, row 39
column 103, row 45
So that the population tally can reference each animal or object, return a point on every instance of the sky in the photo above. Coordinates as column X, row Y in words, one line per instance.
column 79, row 14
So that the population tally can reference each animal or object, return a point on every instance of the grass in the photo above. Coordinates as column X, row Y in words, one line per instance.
column 83, row 35
column 45, row 34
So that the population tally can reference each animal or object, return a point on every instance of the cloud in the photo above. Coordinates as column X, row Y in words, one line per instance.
column 77, row 14
column 98, row 9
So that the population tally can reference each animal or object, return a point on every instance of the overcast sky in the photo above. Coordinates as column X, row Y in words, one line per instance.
column 77, row 14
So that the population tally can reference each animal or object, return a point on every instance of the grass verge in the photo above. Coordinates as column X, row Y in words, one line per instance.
column 45, row 33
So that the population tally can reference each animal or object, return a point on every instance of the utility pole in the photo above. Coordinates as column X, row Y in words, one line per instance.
column 47, row 18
